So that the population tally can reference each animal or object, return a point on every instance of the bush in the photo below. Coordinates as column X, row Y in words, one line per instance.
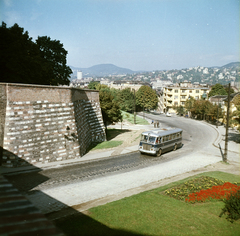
column 232, row 207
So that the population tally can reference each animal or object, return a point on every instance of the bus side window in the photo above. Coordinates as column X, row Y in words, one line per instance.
column 170, row 137
column 173, row 136
column 166, row 138
column 158, row 140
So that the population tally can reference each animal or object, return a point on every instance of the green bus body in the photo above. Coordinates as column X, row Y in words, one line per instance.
column 157, row 141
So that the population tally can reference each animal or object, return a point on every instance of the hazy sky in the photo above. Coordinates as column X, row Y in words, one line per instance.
column 134, row 34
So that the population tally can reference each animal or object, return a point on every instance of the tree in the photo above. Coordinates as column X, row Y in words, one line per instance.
column 17, row 52
column 217, row 89
column 231, row 89
column 235, row 116
column 189, row 105
column 179, row 109
column 23, row 61
column 202, row 108
column 93, row 85
column 110, row 109
column 146, row 97
column 125, row 98
column 55, row 60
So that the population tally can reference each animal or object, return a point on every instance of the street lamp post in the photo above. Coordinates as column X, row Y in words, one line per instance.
column 189, row 111
column 227, row 124
column 217, row 113
column 204, row 96
column 134, row 107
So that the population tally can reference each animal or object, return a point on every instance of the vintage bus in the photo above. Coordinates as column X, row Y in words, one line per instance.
column 157, row 141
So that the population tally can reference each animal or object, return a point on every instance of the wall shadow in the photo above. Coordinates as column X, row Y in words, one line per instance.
column 81, row 224
column 32, row 212
column 113, row 133
column 88, row 118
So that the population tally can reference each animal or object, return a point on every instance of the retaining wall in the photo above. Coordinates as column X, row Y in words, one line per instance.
column 41, row 124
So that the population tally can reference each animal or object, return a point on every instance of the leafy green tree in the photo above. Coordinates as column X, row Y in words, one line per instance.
column 101, row 86
column 179, row 109
column 19, row 57
column 55, row 60
column 217, row 89
column 235, row 116
column 189, row 104
column 202, row 108
column 110, row 109
column 125, row 99
column 23, row 61
column 231, row 89
column 93, row 85
column 146, row 97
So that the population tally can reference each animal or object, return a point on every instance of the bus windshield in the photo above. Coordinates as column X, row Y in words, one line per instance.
column 151, row 139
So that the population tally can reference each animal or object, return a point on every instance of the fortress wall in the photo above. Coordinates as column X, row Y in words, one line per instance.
column 44, row 123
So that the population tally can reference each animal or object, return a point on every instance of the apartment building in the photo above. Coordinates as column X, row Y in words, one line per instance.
column 178, row 94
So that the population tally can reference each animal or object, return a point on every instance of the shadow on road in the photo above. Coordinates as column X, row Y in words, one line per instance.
column 69, row 220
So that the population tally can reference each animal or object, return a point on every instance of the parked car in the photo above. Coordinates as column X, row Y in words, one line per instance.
column 168, row 114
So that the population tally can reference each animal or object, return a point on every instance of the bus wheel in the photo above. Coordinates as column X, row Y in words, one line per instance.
column 159, row 153
column 175, row 147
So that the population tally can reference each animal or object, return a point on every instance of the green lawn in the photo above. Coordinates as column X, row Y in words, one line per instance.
column 107, row 144
column 154, row 213
column 130, row 118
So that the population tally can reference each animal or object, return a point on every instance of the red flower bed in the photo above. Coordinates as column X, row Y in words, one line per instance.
column 216, row 192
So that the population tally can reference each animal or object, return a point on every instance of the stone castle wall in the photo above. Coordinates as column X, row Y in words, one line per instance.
column 41, row 124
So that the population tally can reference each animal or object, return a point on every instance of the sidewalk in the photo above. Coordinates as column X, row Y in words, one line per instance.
column 233, row 147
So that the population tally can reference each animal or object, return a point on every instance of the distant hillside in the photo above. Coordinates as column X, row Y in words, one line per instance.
column 231, row 65
column 102, row 70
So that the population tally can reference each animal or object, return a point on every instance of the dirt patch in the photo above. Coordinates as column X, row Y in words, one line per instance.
column 129, row 138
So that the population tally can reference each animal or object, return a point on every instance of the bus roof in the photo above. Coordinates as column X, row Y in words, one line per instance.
column 162, row 132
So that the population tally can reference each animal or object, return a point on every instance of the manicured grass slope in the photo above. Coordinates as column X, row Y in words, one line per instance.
column 130, row 118
column 153, row 213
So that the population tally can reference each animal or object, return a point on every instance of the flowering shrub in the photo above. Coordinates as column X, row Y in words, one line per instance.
column 219, row 192
column 181, row 192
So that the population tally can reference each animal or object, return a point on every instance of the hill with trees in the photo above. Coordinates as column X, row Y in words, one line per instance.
column 102, row 70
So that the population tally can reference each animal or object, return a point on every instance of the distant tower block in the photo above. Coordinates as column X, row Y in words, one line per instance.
column 79, row 75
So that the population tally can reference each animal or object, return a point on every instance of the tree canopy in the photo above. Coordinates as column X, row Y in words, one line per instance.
column 217, row 89
column 235, row 116
column 146, row 97
column 110, row 109
column 125, row 98
column 93, row 85
column 25, row 61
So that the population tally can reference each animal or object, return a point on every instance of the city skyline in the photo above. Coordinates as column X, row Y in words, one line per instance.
column 138, row 35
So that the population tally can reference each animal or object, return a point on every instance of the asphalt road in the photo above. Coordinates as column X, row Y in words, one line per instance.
column 196, row 137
